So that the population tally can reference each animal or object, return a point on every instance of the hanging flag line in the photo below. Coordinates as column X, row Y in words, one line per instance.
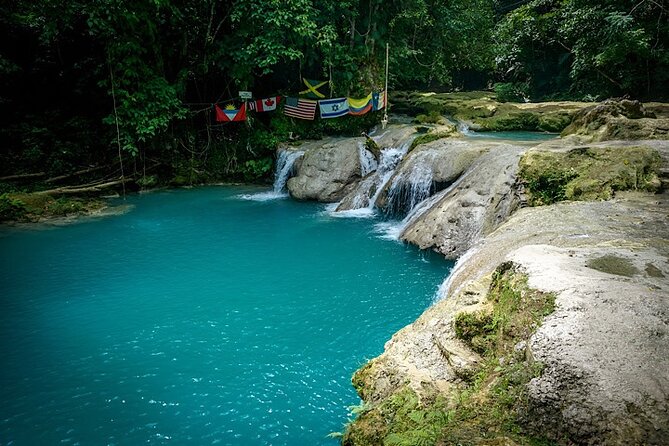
column 301, row 108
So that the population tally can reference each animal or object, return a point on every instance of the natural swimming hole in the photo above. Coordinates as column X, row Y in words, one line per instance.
column 198, row 317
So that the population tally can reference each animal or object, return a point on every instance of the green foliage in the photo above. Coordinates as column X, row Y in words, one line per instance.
column 11, row 209
column 510, row 92
column 582, row 47
column 255, row 170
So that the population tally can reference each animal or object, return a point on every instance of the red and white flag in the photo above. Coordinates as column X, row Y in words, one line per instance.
column 300, row 108
column 265, row 105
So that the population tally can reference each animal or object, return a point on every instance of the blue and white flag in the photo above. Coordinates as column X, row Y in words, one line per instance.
column 333, row 108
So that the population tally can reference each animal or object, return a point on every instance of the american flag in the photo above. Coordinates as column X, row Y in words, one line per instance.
column 300, row 108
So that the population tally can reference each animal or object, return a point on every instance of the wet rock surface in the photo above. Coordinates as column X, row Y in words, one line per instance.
column 606, row 378
column 429, row 167
column 328, row 171
column 478, row 201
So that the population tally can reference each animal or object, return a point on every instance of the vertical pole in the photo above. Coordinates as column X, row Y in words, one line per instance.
column 385, row 106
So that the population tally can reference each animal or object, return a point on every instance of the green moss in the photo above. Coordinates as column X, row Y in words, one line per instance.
column 511, row 122
column 34, row 206
column 588, row 173
column 488, row 410
column 429, row 137
column 653, row 271
column 432, row 118
column 487, row 113
column 611, row 264
column 476, row 329
column 555, row 122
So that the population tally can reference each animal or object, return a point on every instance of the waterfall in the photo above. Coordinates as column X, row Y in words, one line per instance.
column 464, row 129
column 360, row 203
column 392, row 230
column 284, row 167
column 412, row 186
column 368, row 163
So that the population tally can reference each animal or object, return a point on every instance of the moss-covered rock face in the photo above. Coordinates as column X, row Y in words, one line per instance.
column 612, row 264
column 32, row 207
column 488, row 409
column 434, row 134
column 483, row 112
column 588, row 173
column 621, row 120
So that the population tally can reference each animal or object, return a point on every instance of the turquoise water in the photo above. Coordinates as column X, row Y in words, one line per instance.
column 198, row 318
column 514, row 136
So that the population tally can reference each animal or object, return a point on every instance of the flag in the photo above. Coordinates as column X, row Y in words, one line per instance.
column 312, row 88
column 265, row 105
column 379, row 100
column 360, row 106
column 333, row 108
column 230, row 113
column 300, row 108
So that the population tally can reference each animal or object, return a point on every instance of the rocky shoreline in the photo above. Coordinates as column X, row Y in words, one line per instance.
column 586, row 234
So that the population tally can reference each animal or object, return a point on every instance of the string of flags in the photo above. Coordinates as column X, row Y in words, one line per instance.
column 302, row 108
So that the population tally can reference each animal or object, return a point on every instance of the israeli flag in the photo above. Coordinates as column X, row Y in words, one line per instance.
column 333, row 108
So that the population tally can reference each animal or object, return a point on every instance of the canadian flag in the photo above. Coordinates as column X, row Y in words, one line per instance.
column 265, row 105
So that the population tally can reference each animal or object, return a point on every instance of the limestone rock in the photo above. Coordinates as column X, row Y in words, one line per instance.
column 604, row 349
column 328, row 171
column 617, row 120
column 428, row 168
column 479, row 201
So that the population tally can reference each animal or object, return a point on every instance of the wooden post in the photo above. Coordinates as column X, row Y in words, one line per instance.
column 384, row 121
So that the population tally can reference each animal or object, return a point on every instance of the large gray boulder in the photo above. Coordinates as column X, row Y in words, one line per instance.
column 329, row 170
column 475, row 204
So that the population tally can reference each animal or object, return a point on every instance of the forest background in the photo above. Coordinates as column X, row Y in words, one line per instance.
column 84, row 81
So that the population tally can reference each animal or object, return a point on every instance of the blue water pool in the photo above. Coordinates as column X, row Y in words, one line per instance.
column 198, row 318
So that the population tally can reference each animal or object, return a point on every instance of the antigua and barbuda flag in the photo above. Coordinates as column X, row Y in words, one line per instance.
column 265, row 105
column 230, row 113
column 333, row 108
column 379, row 101
column 360, row 106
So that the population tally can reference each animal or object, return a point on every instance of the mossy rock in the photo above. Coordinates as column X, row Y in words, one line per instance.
column 35, row 206
column 488, row 409
column 588, row 173
column 431, row 136
column 612, row 264
column 481, row 110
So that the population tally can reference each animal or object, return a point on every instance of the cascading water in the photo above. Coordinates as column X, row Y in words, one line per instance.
column 464, row 129
column 364, row 197
column 284, row 167
column 393, row 230
column 390, row 159
column 413, row 186
column 368, row 163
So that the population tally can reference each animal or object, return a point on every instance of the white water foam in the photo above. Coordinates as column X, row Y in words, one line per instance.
column 414, row 185
column 368, row 163
column 283, row 170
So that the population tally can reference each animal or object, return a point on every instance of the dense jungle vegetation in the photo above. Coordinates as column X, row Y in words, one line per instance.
column 86, row 80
